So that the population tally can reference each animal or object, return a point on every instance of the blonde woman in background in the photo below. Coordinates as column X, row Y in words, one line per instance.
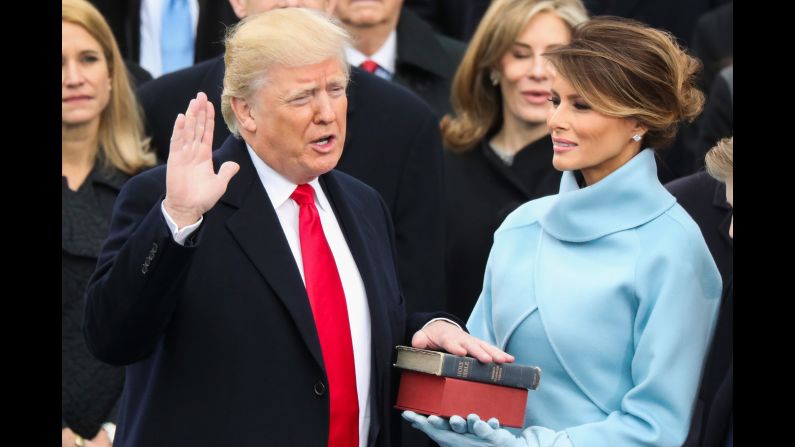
column 499, row 154
column 102, row 145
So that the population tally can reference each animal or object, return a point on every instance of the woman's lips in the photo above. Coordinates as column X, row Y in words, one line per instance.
column 561, row 145
column 536, row 96
column 73, row 99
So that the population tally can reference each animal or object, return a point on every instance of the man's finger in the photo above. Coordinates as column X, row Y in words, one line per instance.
column 176, row 134
column 497, row 354
column 209, row 125
column 475, row 350
column 421, row 340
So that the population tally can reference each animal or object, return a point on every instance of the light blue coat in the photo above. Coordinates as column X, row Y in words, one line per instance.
column 611, row 290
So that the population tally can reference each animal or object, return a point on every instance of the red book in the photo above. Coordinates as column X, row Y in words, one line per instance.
column 446, row 396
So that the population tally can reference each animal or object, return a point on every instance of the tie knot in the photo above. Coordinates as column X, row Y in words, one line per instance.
column 369, row 65
column 303, row 194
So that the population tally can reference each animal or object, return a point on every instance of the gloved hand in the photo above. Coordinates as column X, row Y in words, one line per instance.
column 490, row 432
column 458, row 432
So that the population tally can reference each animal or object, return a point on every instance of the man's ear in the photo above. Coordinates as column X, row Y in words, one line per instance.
column 242, row 111
column 239, row 7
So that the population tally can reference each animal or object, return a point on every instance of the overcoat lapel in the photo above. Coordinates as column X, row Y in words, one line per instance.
column 256, row 228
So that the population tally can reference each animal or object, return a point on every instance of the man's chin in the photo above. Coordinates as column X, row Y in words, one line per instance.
column 324, row 165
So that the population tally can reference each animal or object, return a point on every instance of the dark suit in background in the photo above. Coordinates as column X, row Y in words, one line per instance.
column 138, row 75
column 453, row 18
column 704, row 198
column 717, row 119
column 713, row 42
column 124, row 18
column 392, row 144
column 218, row 335
column 426, row 61
column 677, row 16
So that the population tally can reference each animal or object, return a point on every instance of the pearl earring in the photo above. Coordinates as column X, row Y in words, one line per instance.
column 636, row 137
column 495, row 78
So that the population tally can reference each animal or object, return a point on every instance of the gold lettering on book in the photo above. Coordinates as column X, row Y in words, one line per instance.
column 496, row 373
column 463, row 369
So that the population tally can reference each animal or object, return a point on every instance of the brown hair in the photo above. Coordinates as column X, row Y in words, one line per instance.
column 477, row 103
column 720, row 160
column 121, row 135
column 624, row 68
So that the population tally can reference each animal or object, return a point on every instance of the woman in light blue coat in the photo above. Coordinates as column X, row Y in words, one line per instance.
column 608, row 286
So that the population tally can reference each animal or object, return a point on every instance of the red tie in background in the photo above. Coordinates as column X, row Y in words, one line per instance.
column 330, row 310
column 369, row 65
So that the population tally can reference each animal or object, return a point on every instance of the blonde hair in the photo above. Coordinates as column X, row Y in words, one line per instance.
column 624, row 68
column 476, row 102
column 290, row 37
column 720, row 160
column 121, row 135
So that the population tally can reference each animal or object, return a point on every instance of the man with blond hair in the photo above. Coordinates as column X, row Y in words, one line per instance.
column 252, row 292
column 393, row 144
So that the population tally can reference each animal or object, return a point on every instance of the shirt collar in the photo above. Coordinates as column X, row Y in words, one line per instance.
column 628, row 197
column 384, row 57
column 278, row 188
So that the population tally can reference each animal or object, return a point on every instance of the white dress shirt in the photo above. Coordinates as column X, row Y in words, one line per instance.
column 279, row 190
column 151, row 22
column 385, row 56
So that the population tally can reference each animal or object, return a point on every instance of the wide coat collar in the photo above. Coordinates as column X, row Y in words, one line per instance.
column 627, row 198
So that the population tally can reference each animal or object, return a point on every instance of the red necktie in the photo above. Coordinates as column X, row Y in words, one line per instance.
column 369, row 66
column 330, row 310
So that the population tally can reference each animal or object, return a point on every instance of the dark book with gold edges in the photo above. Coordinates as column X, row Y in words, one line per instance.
column 467, row 368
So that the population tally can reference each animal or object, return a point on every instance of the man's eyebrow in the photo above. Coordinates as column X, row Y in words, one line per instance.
column 342, row 81
column 292, row 94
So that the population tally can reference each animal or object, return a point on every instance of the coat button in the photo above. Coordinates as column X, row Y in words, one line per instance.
column 320, row 388
column 154, row 248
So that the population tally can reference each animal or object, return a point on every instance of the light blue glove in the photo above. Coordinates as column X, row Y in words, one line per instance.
column 471, row 432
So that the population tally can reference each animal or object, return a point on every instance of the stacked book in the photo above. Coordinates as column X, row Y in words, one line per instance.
column 443, row 384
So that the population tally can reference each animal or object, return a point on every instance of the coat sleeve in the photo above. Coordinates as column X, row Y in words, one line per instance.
column 678, row 293
column 131, row 297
